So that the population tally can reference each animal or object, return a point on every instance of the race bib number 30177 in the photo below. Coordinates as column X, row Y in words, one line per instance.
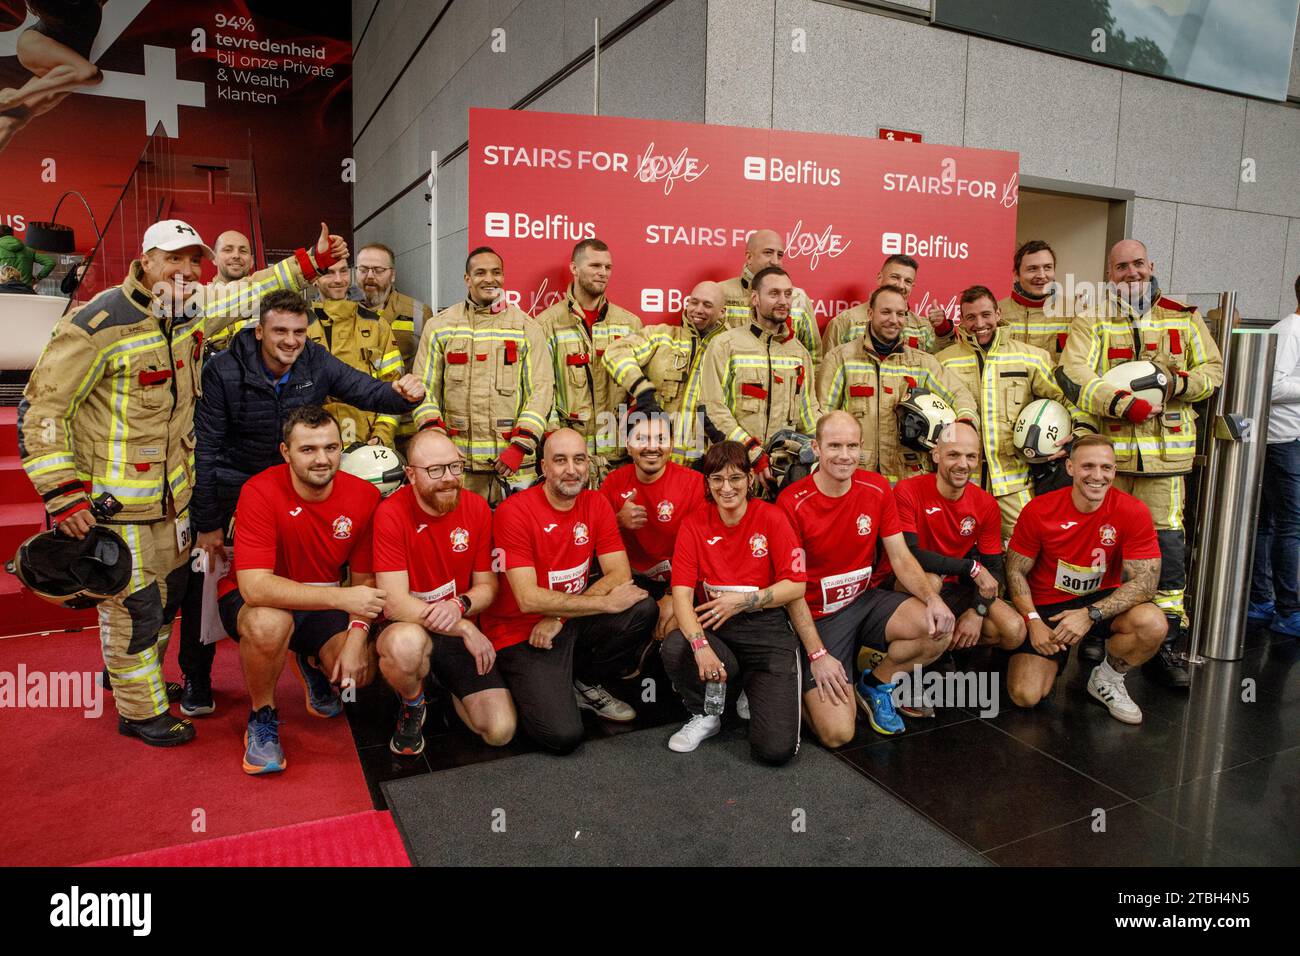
column 1074, row 579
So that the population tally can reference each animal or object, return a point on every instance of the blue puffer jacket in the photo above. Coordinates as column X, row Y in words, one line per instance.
column 237, row 421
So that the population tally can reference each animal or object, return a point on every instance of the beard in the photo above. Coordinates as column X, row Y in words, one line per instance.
column 442, row 502
column 374, row 298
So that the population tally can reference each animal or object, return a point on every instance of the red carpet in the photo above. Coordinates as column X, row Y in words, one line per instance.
column 360, row 839
column 76, row 790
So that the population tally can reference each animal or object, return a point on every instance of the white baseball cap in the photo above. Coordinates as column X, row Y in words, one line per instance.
column 172, row 234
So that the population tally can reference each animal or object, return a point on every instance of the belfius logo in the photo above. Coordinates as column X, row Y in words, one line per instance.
column 775, row 169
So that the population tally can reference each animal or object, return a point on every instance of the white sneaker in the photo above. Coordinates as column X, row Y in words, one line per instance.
column 693, row 733
column 742, row 706
column 595, row 698
column 1115, row 696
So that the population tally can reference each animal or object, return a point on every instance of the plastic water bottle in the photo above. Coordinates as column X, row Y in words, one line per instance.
column 715, row 698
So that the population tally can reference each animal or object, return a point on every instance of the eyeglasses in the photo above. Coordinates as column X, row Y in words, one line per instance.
column 455, row 469
column 373, row 270
column 717, row 481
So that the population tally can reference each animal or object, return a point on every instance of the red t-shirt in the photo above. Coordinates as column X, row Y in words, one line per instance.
column 753, row 555
column 950, row 528
column 304, row 541
column 440, row 553
column 1077, row 554
column 668, row 500
column 562, row 546
column 840, row 536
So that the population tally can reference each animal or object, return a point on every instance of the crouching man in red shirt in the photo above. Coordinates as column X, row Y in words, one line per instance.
column 1085, row 560
column 297, row 527
column 433, row 559
column 558, row 638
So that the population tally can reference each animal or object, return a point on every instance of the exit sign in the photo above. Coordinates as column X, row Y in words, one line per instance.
column 899, row 135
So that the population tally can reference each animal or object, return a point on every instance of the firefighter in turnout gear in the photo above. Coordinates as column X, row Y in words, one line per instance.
column 376, row 277
column 766, row 248
column 659, row 366
column 870, row 376
column 1154, row 443
column 356, row 336
column 931, row 334
column 1036, row 312
column 580, row 330
column 110, row 408
column 487, row 378
column 1003, row 375
column 757, row 380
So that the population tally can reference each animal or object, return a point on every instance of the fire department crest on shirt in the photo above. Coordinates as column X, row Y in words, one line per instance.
column 580, row 533
column 342, row 527
column 968, row 525
column 1107, row 534
column 758, row 545
column 665, row 511
column 459, row 539
column 864, row 525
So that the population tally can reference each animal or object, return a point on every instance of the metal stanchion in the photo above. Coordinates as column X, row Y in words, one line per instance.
column 1229, row 504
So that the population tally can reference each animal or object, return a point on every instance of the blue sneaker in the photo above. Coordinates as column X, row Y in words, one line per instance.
column 322, row 699
column 878, row 704
column 1261, row 612
column 1288, row 624
column 262, row 750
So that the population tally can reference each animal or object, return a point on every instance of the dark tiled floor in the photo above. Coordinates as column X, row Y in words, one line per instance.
column 1211, row 777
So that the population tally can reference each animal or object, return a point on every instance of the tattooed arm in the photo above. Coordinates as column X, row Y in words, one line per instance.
column 1140, row 578
column 1041, row 636
column 713, row 613
column 1016, row 567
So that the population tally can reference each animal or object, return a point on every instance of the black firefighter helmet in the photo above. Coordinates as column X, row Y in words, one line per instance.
column 75, row 573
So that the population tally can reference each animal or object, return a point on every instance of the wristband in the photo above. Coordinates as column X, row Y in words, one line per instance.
column 363, row 625
column 818, row 654
column 699, row 642
column 975, row 569
column 1032, row 616
column 465, row 604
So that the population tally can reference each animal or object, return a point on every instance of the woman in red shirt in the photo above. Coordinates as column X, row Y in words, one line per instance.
column 734, row 571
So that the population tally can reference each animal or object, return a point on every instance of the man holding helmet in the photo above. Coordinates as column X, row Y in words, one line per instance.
column 111, row 402
column 1003, row 374
column 870, row 377
column 1154, row 440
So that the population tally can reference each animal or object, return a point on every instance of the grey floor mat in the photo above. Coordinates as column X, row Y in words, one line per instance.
column 629, row 801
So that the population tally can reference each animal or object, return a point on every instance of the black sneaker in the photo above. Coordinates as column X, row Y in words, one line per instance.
column 1092, row 649
column 1167, row 669
column 408, row 741
column 196, row 700
column 161, row 731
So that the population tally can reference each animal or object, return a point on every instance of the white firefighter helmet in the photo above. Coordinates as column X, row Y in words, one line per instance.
column 377, row 464
column 1041, row 425
column 1145, row 380
column 921, row 418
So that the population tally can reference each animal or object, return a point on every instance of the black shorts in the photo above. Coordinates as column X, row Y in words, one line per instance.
column 862, row 622
column 1099, row 631
column 312, row 630
column 959, row 596
column 455, row 669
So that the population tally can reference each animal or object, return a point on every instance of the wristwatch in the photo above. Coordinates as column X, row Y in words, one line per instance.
column 1095, row 613
column 465, row 604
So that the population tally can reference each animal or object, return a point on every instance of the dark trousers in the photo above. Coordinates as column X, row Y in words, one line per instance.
column 1276, row 576
column 195, row 657
column 758, row 651
column 594, row 649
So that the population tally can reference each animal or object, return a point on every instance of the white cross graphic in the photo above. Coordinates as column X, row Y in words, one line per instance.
column 158, row 87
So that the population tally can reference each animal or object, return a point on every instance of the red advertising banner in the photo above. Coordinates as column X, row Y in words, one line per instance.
column 253, row 97
column 677, row 201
